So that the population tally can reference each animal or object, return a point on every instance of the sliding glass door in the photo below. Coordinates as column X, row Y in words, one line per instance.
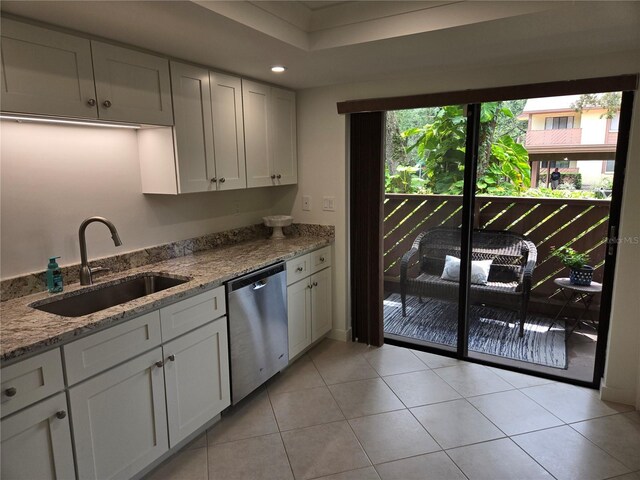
column 486, row 208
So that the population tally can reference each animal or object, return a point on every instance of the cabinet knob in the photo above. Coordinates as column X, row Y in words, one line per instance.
column 273, row 177
column 11, row 392
column 222, row 180
column 171, row 358
column 214, row 180
column 91, row 102
column 299, row 269
column 61, row 414
column 159, row 363
column 315, row 284
column 106, row 104
column 278, row 176
column 309, row 286
column 321, row 259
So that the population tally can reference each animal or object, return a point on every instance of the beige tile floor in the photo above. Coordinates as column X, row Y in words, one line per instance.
column 346, row 411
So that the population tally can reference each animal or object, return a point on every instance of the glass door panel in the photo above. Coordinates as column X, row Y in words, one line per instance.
column 544, row 179
column 424, row 167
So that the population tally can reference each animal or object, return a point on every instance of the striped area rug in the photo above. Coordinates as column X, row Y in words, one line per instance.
column 492, row 331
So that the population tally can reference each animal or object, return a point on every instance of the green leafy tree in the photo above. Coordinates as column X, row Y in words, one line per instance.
column 609, row 101
column 439, row 146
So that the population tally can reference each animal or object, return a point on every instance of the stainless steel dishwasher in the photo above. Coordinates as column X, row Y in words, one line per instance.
column 258, row 332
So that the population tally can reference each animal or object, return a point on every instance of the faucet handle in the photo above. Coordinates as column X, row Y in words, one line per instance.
column 95, row 270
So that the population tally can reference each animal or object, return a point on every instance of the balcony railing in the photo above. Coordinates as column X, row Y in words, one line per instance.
column 580, row 223
column 565, row 136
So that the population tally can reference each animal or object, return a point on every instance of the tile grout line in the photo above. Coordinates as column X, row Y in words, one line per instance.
column 284, row 447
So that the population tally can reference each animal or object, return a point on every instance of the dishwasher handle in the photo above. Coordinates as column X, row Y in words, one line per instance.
column 261, row 284
column 255, row 279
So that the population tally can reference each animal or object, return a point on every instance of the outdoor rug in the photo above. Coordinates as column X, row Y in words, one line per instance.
column 492, row 331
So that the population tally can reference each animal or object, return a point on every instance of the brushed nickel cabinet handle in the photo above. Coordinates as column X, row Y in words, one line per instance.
column 222, row 180
column 91, row 102
column 61, row 414
column 214, row 180
column 171, row 358
column 11, row 392
column 299, row 269
column 278, row 176
column 309, row 286
column 321, row 259
column 159, row 363
column 315, row 284
column 273, row 177
column 106, row 104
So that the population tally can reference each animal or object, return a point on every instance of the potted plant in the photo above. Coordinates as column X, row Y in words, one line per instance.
column 581, row 273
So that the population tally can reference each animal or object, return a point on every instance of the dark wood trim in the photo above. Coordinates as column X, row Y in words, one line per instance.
column 622, row 151
column 514, row 92
column 466, row 229
column 366, row 180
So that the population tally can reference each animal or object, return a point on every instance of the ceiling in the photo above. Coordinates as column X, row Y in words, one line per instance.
column 331, row 42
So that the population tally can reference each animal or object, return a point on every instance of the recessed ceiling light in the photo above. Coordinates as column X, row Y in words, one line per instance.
column 278, row 68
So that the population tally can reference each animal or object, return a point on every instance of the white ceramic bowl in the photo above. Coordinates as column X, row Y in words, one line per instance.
column 277, row 222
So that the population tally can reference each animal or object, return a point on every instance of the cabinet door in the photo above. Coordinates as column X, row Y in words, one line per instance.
column 321, row 311
column 193, row 130
column 46, row 72
column 255, row 104
column 283, row 136
column 196, row 373
column 120, row 419
column 131, row 86
column 299, row 315
column 228, row 131
column 36, row 443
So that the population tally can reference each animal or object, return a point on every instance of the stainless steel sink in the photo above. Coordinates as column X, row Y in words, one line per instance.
column 108, row 295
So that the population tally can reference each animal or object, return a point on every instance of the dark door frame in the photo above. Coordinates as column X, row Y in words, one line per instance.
column 367, row 195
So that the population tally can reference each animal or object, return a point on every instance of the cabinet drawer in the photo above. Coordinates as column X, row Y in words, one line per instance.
column 298, row 268
column 30, row 380
column 191, row 313
column 320, row 259
column 100, row 351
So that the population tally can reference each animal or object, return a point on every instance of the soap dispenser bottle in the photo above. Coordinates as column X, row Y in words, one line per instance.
column 54, row 276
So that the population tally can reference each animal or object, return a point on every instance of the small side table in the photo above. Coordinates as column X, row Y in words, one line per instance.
column 577, row 293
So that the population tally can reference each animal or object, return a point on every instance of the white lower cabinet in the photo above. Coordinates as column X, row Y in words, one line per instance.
column 36, row 443
column 119, row 419
column 196, row 372
column 309, row 309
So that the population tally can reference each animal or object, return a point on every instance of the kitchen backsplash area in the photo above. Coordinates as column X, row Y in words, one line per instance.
column 35, row 282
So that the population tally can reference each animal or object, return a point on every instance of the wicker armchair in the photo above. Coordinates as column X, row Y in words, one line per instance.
column 509, row 286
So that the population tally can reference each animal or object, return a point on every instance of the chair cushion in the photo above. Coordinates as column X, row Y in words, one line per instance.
column 427, row 281
column 479, row 270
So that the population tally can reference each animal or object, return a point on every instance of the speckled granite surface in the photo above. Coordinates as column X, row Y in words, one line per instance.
column 24, row 330
column 35, row 282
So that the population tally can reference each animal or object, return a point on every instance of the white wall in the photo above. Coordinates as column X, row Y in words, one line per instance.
column 55, row 176
column 323, row 165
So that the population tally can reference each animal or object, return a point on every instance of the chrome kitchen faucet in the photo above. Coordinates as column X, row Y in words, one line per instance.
column 85, row 270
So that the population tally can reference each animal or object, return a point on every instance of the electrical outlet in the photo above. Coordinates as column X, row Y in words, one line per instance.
column 329, row 204
column 306, row 203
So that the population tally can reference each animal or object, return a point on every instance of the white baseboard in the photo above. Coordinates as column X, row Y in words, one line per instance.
column 342, row 335
column 626, row 396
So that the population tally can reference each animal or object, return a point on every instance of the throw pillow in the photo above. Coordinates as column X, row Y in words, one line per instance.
column 479, row 270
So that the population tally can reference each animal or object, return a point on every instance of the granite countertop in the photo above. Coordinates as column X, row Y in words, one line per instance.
column 25, row 330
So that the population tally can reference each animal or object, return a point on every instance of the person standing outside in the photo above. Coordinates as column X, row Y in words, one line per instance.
column 555, row 179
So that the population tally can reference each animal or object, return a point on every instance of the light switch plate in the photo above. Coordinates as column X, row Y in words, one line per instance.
column 329, row 204
column 306, row 203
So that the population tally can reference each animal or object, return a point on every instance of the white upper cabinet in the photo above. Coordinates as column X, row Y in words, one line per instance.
column 131, row 86
column 256, row 99
column 228, row 131
column 270, row 135
column 46, row 72
column 193, row 129
column 283, row 136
